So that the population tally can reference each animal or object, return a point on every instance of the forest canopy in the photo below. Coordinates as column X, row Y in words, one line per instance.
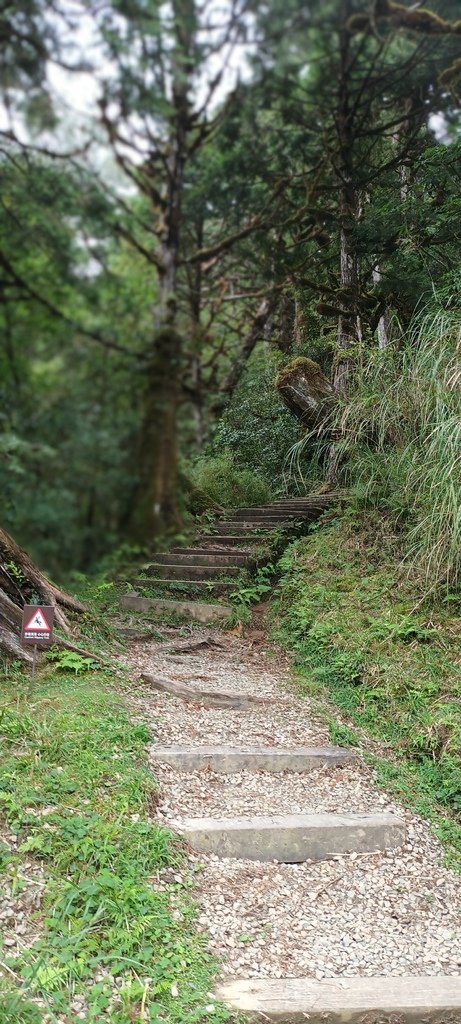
column 194, row 199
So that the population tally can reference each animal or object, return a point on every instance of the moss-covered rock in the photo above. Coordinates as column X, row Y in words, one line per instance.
column 306, row 391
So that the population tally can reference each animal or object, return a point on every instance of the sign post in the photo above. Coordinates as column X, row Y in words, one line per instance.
column 37, row 626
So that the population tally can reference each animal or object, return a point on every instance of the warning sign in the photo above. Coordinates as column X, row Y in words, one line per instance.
column 37, row 624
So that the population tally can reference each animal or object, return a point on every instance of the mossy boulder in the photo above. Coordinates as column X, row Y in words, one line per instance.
column 306, row 391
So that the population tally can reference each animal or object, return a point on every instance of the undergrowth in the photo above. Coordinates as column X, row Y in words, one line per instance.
column 76, row 794
column 391, row 661
column 398, row 439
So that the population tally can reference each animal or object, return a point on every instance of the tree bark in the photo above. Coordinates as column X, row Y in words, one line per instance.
column 22, row 582
column 383, row 329
column 349, row 327
column 254, row 334
column 155, row 507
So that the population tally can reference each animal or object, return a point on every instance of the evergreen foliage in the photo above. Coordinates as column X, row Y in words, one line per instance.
column 274, row 259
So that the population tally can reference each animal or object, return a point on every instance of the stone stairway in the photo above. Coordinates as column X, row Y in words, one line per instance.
column 296, row 828
column 294, row 785
column 183, row 580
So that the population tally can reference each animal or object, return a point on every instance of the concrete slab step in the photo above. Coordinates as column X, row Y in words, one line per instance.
column 229, row 540
column 245, row 529
column 228, row 760
column 313, row 502
column 260, row 517
column 294, row 838
column 272, row 513
column 200, row 558
column 201, row 588
column 379, row 1000
column 191, row 609
column 192, row 572
column 216, row 548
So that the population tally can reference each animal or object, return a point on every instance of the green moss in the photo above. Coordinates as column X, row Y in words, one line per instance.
column 362, row 636
column 308, row 369
column 77, row 793
column 414, row 20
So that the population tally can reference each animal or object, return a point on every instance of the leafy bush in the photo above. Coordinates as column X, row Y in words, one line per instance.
column 217, row 482
column 256, row 428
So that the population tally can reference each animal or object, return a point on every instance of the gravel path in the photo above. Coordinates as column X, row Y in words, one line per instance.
column 387, row 913
column 20, row 898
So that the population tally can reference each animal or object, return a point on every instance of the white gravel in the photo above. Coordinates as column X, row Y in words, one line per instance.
column 20, row 899
column 392, row 913
column 210, row 794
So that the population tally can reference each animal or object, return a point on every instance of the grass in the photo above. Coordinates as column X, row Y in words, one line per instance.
column 76, row 792
column 363, row 635
column 401, row 437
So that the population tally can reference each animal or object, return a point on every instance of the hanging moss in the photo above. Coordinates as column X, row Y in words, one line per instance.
column 358, row 23
column 414, row 20
column 327, row 309
column 451, row 75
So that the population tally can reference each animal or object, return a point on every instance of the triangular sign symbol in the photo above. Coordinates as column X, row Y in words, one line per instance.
column 38, row 622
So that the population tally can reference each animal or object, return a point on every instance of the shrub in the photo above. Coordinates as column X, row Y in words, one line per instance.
column 217, row 482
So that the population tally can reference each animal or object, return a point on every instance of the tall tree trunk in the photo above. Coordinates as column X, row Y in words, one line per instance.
column 349, row 327
column 256, row 332
column 383, row 329
column 195, row 306
column 156, row 507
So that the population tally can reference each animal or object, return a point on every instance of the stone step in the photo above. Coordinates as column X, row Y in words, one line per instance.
column 216, row 548
column 259, row 517
column 201, row 588
column 227, row 540
column 294, row 838
column 191, row 609
column 343, row 1000
column 307, row 505
column 200, row 558
column 328, row 498
column 245, row 529
column 314, row 503
column 271, row 513
column 228, row 760
column 191, row 572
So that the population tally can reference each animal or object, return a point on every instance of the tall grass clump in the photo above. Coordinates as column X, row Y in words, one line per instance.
column 400, row 441
column 218, row 482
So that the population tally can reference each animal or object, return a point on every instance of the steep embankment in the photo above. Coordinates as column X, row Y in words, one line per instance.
column 363, row 634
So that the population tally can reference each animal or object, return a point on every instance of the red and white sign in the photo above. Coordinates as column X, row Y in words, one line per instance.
column 37, row 623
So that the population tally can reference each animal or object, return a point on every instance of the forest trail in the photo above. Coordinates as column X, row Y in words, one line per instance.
column 221, row 556
column 363, row 925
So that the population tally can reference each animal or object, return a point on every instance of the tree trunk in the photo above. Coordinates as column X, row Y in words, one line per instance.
column 349, row 325
column 255, row 333
column 21, row 582
column 156, row 508
column 384, row 323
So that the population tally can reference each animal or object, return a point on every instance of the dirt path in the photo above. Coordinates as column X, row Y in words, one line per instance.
column 389, row 913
